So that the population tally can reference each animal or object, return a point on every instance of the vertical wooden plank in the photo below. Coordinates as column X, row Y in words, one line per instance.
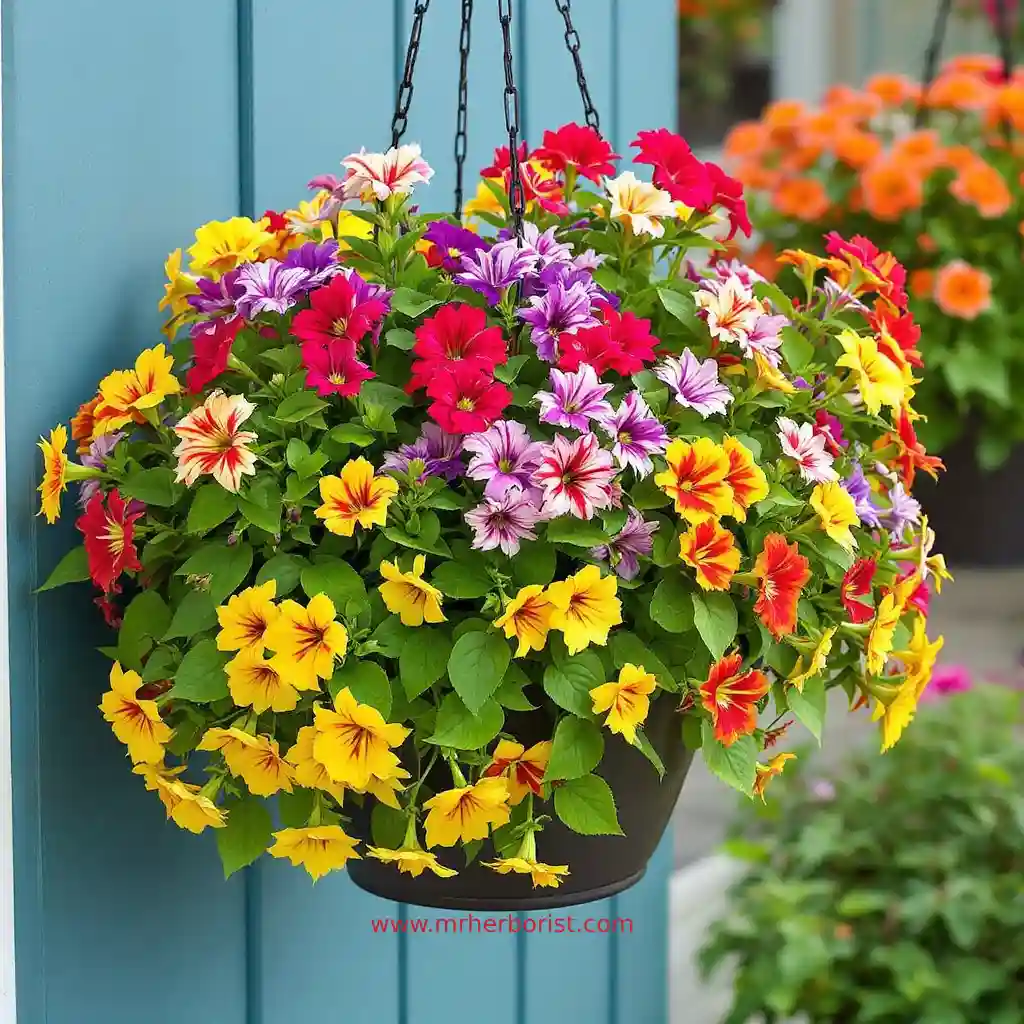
column 107, row 165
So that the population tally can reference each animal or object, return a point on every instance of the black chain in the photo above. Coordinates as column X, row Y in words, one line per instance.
column 1004, row 34
column 931, row 58
column 572, row 41
column 401, row 119
column 516, row 195
column 462, row 117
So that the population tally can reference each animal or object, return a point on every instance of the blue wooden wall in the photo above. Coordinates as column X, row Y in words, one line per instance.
column 125, row 125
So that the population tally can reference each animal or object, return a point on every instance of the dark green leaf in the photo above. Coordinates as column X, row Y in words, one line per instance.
column 201, row 678
column 716, row 620
column 299, row 406
column 335, row 578
column 152, row 486
column 646, row 748
column 458, row 727
column 735, row 764
column 245, row 836
column 400, row 338
column 226, row 565
column 366, row 680
column 145, row 620
column 72, row 568
column 424, row 659
column 464, row 579
column 534, row 564
column 352, row 433
column 413, row 304
column 387, row 826
column 195, row 613
column 210, row 507
column 587, row 806
column 294, row 808
column 476, row 666
column 569, row 683
column 578, row 532
column 671, row 606
column 809, row 706
column 576, row 750
column 283, row 568
column 629, row 649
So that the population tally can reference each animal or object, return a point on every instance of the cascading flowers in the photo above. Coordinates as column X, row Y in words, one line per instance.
column 397, row 477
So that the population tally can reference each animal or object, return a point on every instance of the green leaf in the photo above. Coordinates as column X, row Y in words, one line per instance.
column 510, row 694
column 245, row 836
column 458, row 727
column 465, row 579
column 716, row 620
column 294, row 808
column 268, row 519
column 283, row 568
column 576, row 750
column 809, row 706
column 476, row 666
column 160, row 665
column 400, row 338
column 424, row 660
column 352, row 433
column 387, row 396
column 335, row 578
column 387, row 826
column 629, row 649
column 797, row 350
column 578, row 532
column 226, row 565
column 587, row 806
column 152, row 486
column 195, row 613
column 72, row 568
column 145, row 620
column 413, row 304
column 427, row 538
column 682, row 308
column 692, row 736
column 969, row 368
column 201, row 678
column 510, row 370
column 367, row 681
column 302, row 460
column 648, row 495
column 569, row 683
column 671, row 606
column 210, row 507
column 644, row 745
column 298, row 407
column 534, row 564
column 735, row 764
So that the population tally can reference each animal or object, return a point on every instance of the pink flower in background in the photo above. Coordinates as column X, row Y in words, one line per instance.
column 992, row 11
column 947, row 679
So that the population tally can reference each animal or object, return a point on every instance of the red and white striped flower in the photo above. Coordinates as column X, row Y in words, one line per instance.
column 576, row 476
column 380, row 175
column 213, row 442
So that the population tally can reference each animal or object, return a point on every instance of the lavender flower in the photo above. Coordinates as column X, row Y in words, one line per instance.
column 724, row 269
column 492, row 271
column 624, row 549
column 505, row 456
column 96, row 458
column 318, row 259
column 765, row 338
column 270, row 287
column 637, row 434
column 575, row 399
column 904, row 512
column 217, row 297
column 503, row 522
column 438, row 451
column 589, row 260
column 695, row 383
column 453, row 243
column 857, row 486
column 561, row 309
column 543, row 245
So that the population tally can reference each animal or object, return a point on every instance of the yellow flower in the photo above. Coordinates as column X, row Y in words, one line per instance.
column 221, row 246
column 466, row 813
column 770, row 378
column 919, row 658
column 178, row 288
column 837, row 512
column 746, row 478
column 306, row 641
column 524, row 769
column 627, row 701
column 308, row 216
column 819, row 657
column 639, row 205
column 385, row 789
column 55, row 471
column 356, row 496
column 527, row 618
column 585, row 608
column 262, row 768
column 485, row 201
column 890, row 610
column 309, row 772
column 408, row 594
column 349, row 225
column 125, row 394
column 878, row 378
column 897, row 714
column 936, row 564
column 918, row 663
column 186, row 805
column 412, row 861
column 764, row 773
column 254, row 682
column 136, row 723
column 353, row 742
column 234, row 746
column 319, row 849
column 245, row 619
column 545, row 875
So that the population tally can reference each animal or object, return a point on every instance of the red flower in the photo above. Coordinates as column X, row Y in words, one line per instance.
column 337, row 312
column 732, row 696
column 211, row 346
column 857, row 583
column 456, row 333
column 632, row 336
column 591, row 345
column 540, row 187
column 332, row 368
column 782, row 572
column 500, row 164
column 901, row 329
column 830, row 428
column 922, row 595
column 112, row 613
column 466, row 399
column 885, row 273
column 108, row 531
column 576, row 146
column 912, row 454
column 729, row 193
column 278, row 221
column 676, row 169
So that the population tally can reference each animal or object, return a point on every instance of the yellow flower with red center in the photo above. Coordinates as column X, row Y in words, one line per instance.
column 125, row 395
column 309, row 772
column 547, row 876
column 818, row 659
column 918, row 662
column 527, row 619
column 409, row 595
column 485, row 201
column 731, row 696
column 233, row 744
column 639, row 205
column 221, row 246
column 890, row 610
column 354, row 497
column 188, row 806
column 55, row 472
column 627, row 700
column 710, row 549
column 386, row 790
column 524, row 769
column 745, row 477
column 918, row 659
column 245, row 619
column 307, row 217
column 879, row 379
column 254, row 682
column 467, row 812
column 412, row 861
column 764, row 773
column 213, row 441
column 262, row 768
column 136, row 723
column 770, row 378
column 585, row 608
column 837, row 512
column 781, row 572
column 353, row 742
column 83, row 424
column 176, row 292
column 696, row 479
column 306, row 641
column 319, row 849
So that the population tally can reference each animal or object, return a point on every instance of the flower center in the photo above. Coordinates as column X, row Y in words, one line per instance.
column 465, row 404
column 337, row 378
column 625, row 437
column 505, row 465
column 340, row 326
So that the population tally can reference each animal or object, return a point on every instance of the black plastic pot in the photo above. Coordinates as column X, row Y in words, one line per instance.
column 600, row 866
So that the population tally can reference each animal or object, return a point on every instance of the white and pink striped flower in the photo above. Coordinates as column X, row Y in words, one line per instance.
column 731, row 309
column 576, row 477
column 381, row 175
column 807, row 447
column 213, row 442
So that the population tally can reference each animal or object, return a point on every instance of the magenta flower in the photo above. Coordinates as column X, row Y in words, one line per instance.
column 503, row 522
column 636, row 538
column 270, row 287
column 574, row 399
column 695, row 383
column 332, row 368
column 807, row 448
column 505, row 456
column 492, row 271
column 576, row 477
column 637, row 434
column 947, row 679
column 562, row 309
column 765, row 338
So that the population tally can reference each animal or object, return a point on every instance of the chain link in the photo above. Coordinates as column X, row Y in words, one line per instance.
column 572, row 41
column 1004, row 36
column 401, row 119
column 516, row 194
column 462, row 117
column 931, row 59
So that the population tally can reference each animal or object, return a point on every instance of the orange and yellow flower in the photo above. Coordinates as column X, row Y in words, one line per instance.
column 126, row 395
column 212, row 441
column 963, row 291
column 696, row 479
column 307, row 770
column 319, row 849
column 136, row 723
column 523, row 769
column 466, row 813
column 527, row 619
column 817, row 661
column 408, row 595
column 411, row 861
column 782, row 572
column 746, row 478
column 711, row 550
column 245, row 619
column 254, row 682
column 764, row 773
column 541, row 875
column 55, row 473
column 221, row 246
column 355, row 497
column 585, row 608
column 836, row 511
column 731, row 696
column 306, row 641
column 627, row 700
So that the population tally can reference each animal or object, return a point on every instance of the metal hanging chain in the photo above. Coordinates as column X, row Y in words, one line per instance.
column 572, row 41
column 931, row 58
column 516, row 194
column 401, row 119
column 1004, row 35
column 462, row 117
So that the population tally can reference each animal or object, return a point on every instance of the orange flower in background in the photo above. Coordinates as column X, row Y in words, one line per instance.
column 710, row 549
column 1008, row 105
column 83, row 424
column 980, row 185
column 959, row 157
column 731, row 697
column 782, row 572
column 922, row 283
column 963, row 291
column 746, row 139
column 891, row 189
column 856, row 148
column 849, row 103
column 957, row 90
column 783, row 119
column 802, row 198
column 922, row 148
column 764, row 261
column 893, row 90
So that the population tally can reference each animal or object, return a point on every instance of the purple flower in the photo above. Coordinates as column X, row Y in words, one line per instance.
column 574, row 399
column 324, row 181
column 217, row 297
column 637, row 434
column 561, row 309
column 725, row 269
column 318, row 259
column 765, row 338
column 857, row 486
column 503, row 522
column 695, row 383
column 505, row 456
column 838, row 299
column 96, row 458
column 270, row 287
column 543, row 245
column 491, row 271
column 624, row 549
column 904, row 512
column 438, row 451
column 589, row 260
column 453, row 243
